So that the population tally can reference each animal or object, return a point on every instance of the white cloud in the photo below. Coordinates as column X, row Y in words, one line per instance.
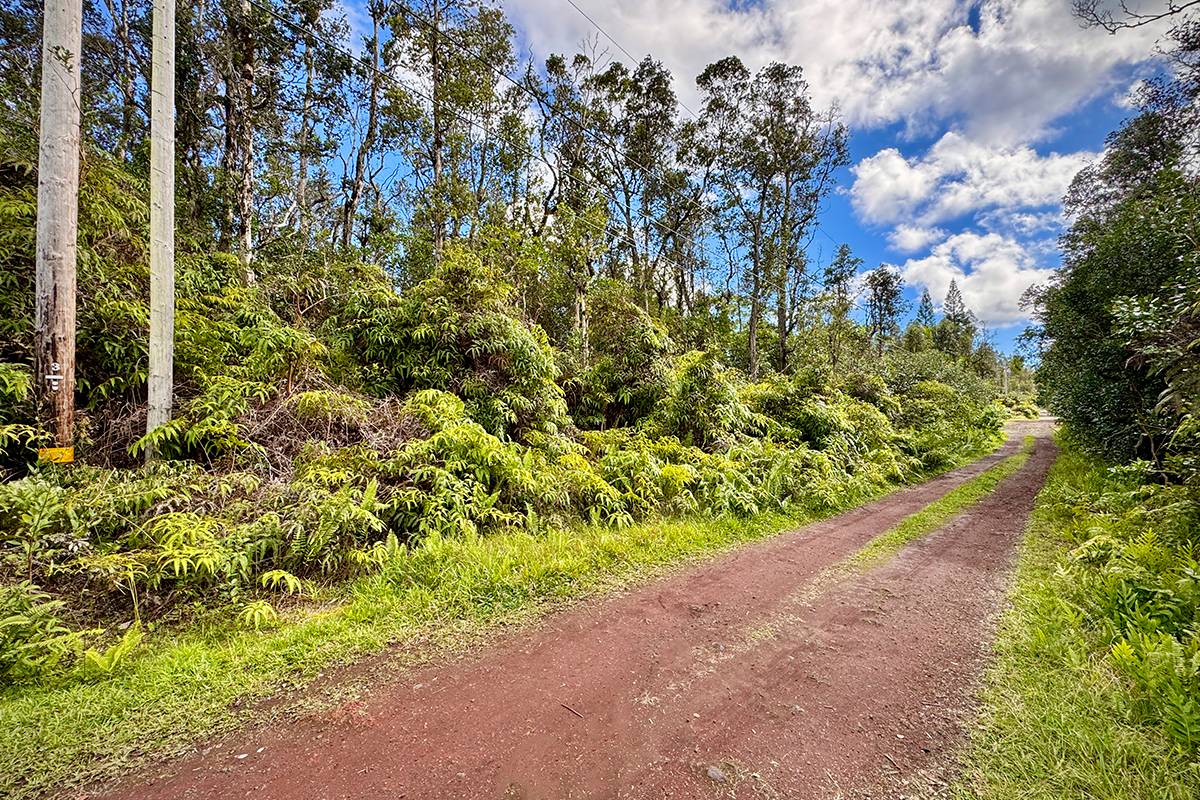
column 992, row 271
column 911, row 238
column 1023, row 65
column 959, row 176
column 997, row 74
column 1023, row 223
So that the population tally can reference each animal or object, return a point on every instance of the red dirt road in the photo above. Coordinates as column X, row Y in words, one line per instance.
column 736, row 678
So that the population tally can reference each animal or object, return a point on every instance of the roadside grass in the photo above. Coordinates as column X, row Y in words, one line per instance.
column 444, row 593
column 1055, row 716
column 937, row 513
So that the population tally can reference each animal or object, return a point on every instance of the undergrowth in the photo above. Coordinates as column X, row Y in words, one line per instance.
column 204, row 679
column 1094, row 692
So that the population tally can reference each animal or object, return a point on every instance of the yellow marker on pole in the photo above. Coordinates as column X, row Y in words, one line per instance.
column 57, row 455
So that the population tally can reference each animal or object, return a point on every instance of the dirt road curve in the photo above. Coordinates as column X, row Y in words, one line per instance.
column 736, row 678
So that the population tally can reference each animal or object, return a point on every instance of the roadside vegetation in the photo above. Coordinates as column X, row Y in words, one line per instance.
column 941, row 511
column 1097, row 689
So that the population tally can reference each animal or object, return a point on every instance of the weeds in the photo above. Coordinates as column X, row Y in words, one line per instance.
column 193, row 682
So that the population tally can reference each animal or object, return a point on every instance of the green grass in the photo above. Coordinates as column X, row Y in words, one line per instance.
column 938, row 513
column 446, row 593
column 1055, row 717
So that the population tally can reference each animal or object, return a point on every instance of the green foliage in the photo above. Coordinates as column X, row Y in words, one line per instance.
column 1133, row 574
column 1119, row 321
column 627, row 368
column 458, row 331
column 103, row 663
column 1084, row 697
column 330, row 406
column 703, row 407
column 33, row 639
column 258, row 614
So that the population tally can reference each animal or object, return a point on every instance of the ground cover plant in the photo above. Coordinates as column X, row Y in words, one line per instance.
column 1094, row 690
column 325, row 470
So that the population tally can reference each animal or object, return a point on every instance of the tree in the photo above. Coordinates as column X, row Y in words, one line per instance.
column 1115, row 320
column 925, row 313
column 955, row 333
column 1094, row 13
column 839, row 301
column 456, row 47
column 771, row 159
column 885, row 304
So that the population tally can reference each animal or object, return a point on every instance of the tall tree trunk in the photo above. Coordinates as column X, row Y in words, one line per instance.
column 756, row 277
column 305, row 134
column 228, row 164
column 782, row 308
column 247, row 67
column 367, row 146
column 581, row 318
column 438, row 218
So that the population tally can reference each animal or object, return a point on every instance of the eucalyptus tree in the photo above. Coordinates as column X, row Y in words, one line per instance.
column 634, row 116
column 456, row 51
column 771, row 158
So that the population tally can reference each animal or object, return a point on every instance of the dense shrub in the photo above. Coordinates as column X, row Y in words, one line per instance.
column 703, row 406
column 328, row 419
column 626, row 368
column 1133, row 575
column 459, row 331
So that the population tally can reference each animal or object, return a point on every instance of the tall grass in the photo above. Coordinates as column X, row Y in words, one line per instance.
column 442, row 593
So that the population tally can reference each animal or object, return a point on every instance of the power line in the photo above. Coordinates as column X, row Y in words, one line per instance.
column 610, row 145
column 621, row 47
column 682, row 104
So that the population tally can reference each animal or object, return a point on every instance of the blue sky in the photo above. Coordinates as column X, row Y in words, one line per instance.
column 968, row 119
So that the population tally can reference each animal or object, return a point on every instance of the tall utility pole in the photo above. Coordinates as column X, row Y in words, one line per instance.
column 58, row 222
column 162, row 217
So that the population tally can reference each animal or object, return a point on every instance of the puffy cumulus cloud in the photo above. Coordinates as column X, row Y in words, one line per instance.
column 911, row 238
column 992, row 271
column 959, row 176
column 1002, row 74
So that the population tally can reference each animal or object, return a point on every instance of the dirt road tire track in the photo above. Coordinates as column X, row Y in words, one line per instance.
column 716, row 681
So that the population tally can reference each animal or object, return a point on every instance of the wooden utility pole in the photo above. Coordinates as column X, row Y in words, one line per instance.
column 162, row 218
column 58, row 222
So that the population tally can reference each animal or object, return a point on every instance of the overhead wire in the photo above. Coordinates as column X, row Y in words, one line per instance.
column 608, row 144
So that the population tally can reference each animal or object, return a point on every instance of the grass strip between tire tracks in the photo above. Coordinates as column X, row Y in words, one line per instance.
column 937, row 513
column 1054, row 722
